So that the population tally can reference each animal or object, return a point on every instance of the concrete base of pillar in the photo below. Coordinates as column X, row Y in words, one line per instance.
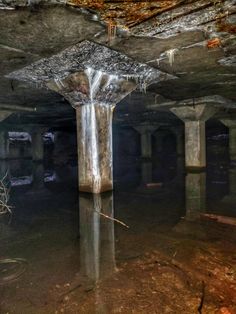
column 89, row 188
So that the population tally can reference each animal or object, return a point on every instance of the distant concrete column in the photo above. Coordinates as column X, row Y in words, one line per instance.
column 195, row 194
column 194, row 118
column 146, row 170
column 145, row 132
column 231, row 124
column 97, row 236
column 37, row 145
column 4, row 145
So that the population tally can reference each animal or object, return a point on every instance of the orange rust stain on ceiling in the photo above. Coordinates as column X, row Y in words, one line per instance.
column 127, row 13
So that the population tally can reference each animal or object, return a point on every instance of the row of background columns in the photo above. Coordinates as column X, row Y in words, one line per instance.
column 195, row 142
column 195, row 146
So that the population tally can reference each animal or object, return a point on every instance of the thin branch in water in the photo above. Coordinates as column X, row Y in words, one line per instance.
column 113, row 219
column 4, row 196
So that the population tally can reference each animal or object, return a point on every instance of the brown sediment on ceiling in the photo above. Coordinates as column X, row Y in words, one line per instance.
column 150, row 18
column 131, row 13
column 127, row 13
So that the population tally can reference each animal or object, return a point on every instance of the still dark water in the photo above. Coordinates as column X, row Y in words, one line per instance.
column 61, row 252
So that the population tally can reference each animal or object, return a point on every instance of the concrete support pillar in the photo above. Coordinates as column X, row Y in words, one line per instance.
column 146, row 170
column 194, row 118
column 145, row 132
column 146, row 144
column 195, row 194
column 231, row 124
column 4, row 145
column 94, row 129
column 97, row 235
column 37, row 145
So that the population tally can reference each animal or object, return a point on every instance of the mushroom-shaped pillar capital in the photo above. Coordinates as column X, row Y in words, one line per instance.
column 90, row 73
column 194, row 117
column 201, row 112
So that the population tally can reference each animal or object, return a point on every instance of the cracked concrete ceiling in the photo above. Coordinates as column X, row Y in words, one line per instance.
column 193, row 40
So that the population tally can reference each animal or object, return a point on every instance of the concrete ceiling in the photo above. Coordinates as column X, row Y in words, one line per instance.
column 194, row 40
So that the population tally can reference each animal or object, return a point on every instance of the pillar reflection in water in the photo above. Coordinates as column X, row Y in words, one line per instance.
column 97, row 235
column 195, row 194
